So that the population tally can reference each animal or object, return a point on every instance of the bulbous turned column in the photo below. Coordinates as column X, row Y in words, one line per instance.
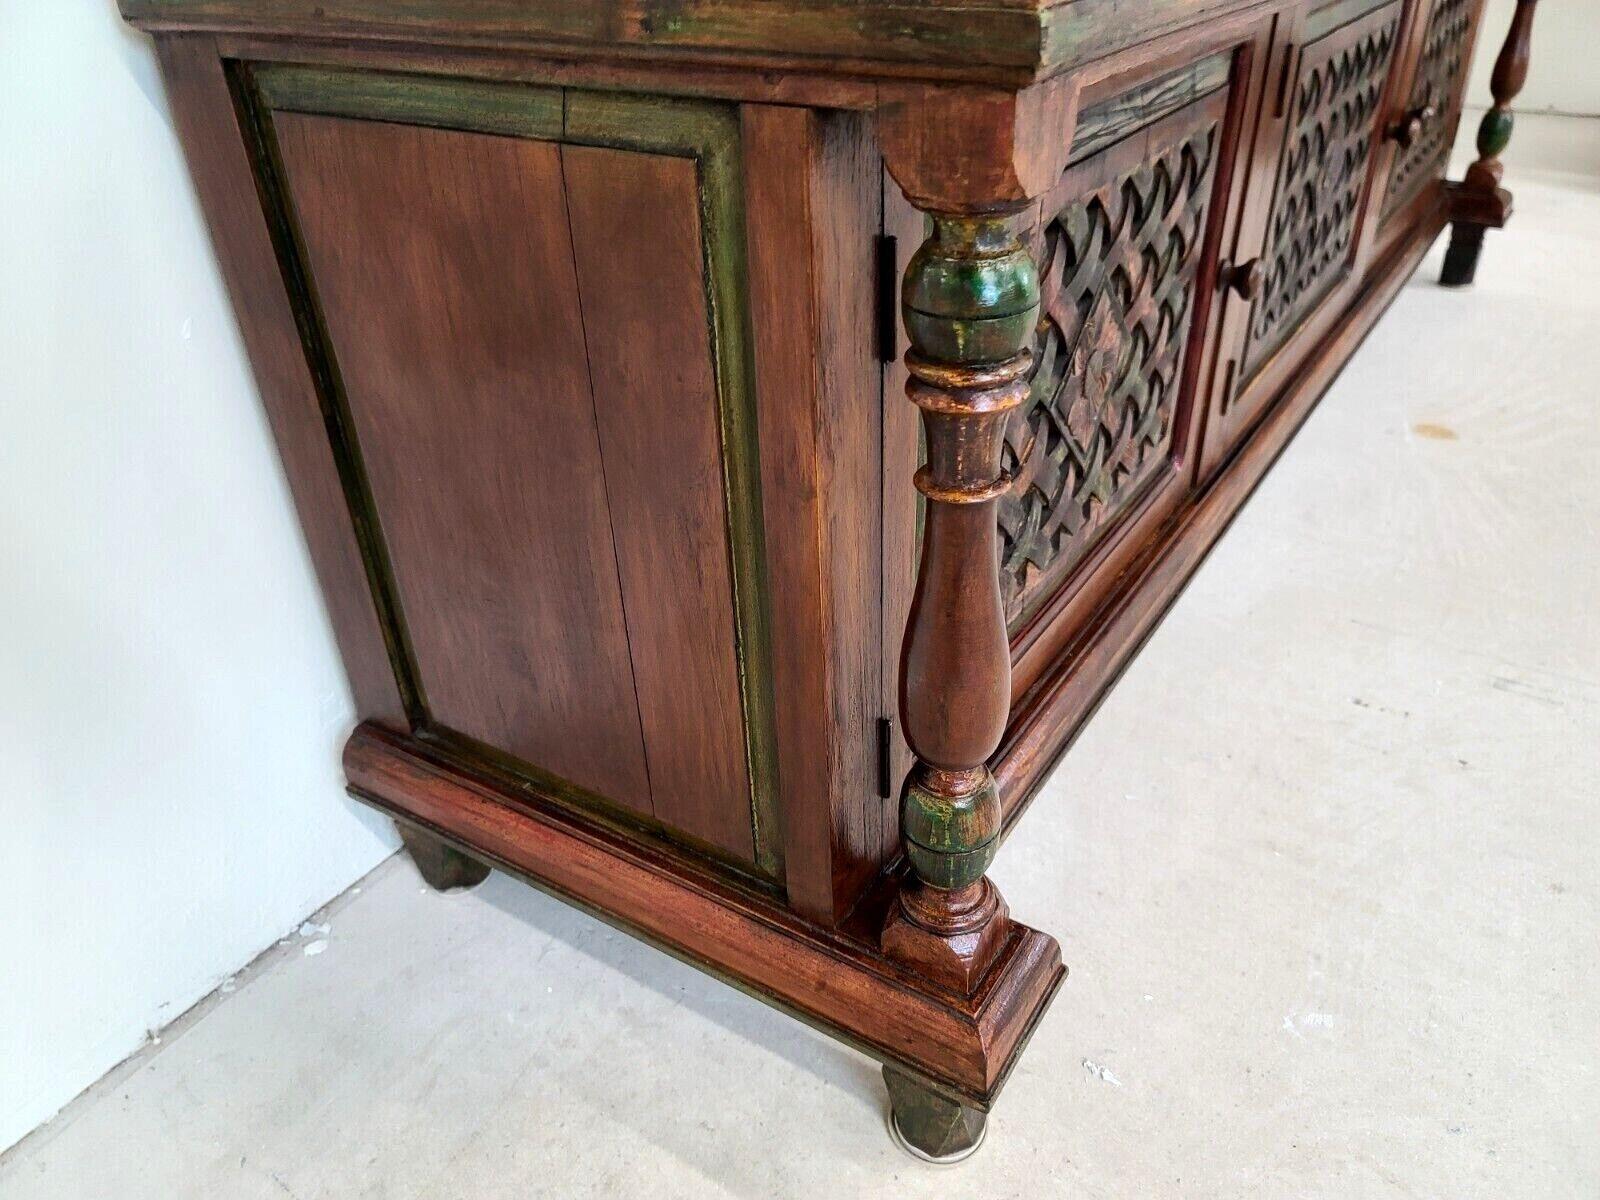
column 1480, row 201
column 970, row 303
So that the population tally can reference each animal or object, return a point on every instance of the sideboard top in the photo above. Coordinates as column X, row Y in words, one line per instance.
column 1011, row 40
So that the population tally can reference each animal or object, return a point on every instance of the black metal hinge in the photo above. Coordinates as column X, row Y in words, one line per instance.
column 887, row 249
column 885, row 754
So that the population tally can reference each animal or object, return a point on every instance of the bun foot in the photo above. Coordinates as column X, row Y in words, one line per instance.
column 442, row 866
column 930, row 1126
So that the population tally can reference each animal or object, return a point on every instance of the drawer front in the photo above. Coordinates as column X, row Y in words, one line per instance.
column 1327, row 155
column 1435, row 95
column 526, row 307
column 1120, row 251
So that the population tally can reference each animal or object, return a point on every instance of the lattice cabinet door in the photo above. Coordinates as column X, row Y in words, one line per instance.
column 1326, row 118
column 1126, row 246
column 1429, row 109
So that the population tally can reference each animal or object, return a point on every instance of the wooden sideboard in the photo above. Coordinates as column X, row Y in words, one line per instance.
column 586, row 333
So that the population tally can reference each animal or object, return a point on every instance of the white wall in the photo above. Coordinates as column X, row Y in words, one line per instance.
column 1558, row 112
column 1561, row 74
column 171, row 705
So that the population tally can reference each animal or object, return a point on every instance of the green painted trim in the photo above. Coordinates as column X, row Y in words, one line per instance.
column 1337, row 15
column 1074, row 32
column 517, row 111
column 708, row 133
column 1494, row 132
column 516, row 775
column 289, row 245
column 1116, row 117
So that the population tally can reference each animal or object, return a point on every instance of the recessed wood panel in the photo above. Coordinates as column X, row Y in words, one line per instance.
column 444, row 270
column 641, row 280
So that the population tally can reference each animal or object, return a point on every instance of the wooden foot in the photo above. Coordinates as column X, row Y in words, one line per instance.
column 928, row 1125
column 442, row 866
column 1461, row 259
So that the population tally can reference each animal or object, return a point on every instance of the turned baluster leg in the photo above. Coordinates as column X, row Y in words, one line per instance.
column 971, row 301
column 442, row 866
column 1480, row 202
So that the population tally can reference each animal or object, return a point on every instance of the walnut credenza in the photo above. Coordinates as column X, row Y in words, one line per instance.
column 586, row 331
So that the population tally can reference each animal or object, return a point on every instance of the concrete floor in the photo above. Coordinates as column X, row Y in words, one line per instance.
column 1323, row 868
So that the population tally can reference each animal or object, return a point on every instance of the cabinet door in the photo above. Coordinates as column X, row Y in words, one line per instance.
column 1126, row 243
column 1428, row 109
column 1319, row 137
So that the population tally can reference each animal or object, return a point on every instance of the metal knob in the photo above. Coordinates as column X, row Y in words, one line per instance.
column 1409, row 128
column 1245, row 279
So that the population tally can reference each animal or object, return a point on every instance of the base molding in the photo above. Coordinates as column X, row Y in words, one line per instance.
column 962, row 1047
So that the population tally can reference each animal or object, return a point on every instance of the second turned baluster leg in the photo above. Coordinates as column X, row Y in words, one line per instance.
column 1479, row 201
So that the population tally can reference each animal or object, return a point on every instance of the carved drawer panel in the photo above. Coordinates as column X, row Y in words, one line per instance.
column 1438, row 86
column 1322, row 174
column 1119, row 255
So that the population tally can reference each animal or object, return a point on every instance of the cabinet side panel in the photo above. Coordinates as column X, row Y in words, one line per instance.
column 443, row 267
column 219, row 163
column 636, row 230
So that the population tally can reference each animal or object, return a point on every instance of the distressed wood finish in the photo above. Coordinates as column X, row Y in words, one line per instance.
column 1244, row 48
column 586, row 489
column 814, row 183
column 270, row 308
column 636, row 216
column 576, row 327
column 970, row 302
column 541, row 673
column 1009, row 42
column 1308, row 220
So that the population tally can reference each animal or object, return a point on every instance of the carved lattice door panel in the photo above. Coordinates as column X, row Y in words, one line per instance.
column 1120, row 251
column 1317, row 142
column 1329, row 144
column 1434, row 99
